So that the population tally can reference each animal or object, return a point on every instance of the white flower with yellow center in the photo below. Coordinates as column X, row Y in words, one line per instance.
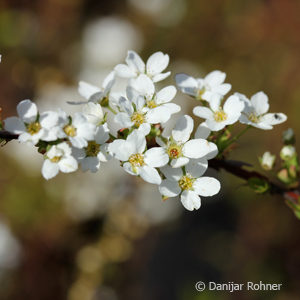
column 30, row 126
column 255, row 112
column 144, row 86
column 136, row 161
column 135, row 66
column 77, row 129
column 216, row 116
column 58, row 158
column 203, row 88
column 179, row 148
column 95, row 152
column 188, row 184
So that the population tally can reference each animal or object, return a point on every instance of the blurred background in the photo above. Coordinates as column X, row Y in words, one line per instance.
column 108, row 235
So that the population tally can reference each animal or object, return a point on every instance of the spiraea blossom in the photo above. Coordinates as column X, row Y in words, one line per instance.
column 203, row 88
column 136, row 160
column 216, row 116
column 135, row 66
column 188, row 184
column 256, row 114
column 179, row 148
column 30, row 126
column 58, row 158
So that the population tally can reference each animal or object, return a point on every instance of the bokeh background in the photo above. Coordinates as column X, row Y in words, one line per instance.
column 109, row 236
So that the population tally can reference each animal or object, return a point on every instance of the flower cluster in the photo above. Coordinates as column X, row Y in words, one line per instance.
column 175, row 159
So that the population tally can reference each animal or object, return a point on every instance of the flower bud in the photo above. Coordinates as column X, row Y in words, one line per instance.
column 288, row 137
column 287, row 152
column 283, row 176
column 267, row 161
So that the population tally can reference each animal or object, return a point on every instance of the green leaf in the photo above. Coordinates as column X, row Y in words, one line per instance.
column 259, row 185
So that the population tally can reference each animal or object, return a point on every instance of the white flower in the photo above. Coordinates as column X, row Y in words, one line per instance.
column 255, row 112
column 188, row 185
column 144, row 86
column 179, row 148
column 287, row 152
column 267, row 161
column 77, row 129
column 216, row 116
column 135, row 66
column 58, row 158
column 135, row 160
column 96, row 151
column 135, row 113
column 203, row 88
column 95, row 94
column 30, row 126
column 93, row 112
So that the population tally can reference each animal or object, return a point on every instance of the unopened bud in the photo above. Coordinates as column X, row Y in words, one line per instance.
column 283, row 176
column 267, row 161
column 287, row 152
column 288, row 137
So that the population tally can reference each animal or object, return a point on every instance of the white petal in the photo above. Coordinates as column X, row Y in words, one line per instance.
column 187, row 84
column 108, row 82
column 215, row 78
column 169, row 188
column 274, row 118
column 215, row 126
column 150, row 175
column 172, row 108
column 86, row 131
column 68, row 164
column 166, row 94
column 157, row 115
column 196, row 167
column 128, row 168
column 222, row 89
column 156, row 157
column 160, row 77
column 206, row 186
column 86, row 90
column 49, row 169
column 172, row 173
column 233, row 106
column 156, row 63
column 123, row 119
column 203, row 112
column 49, row 119
column 93, row 112
column 120, row 149
column 215, row 102
column 144, row 128
column 27, row 111
column 213, row 151
column 195, row 148
column 14, row 125
column 90, row 163
column 183, row 129
column 260, row 103
column 190, row 200
column 179, row 162
column 78, row 142
column 202, row 131
column 135, row 62
column 124, row 71
column 144, row 85
column 137, row 140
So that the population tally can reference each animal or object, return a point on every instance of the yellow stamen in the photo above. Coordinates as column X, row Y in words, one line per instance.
column 253, row 118
column 92, row 149
column 174, row 151
column 220, row 116
column 104, row 102
column 70, row 130
column 200, row 93
column 186, row 182
column 34, row 128
column 55, row 159
column 136, row 160
column 151, row 104
column 137, row 118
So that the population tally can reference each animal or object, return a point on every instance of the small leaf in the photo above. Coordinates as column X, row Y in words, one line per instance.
column 259, row 185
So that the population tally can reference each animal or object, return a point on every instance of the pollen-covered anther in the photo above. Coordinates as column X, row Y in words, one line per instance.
column 34, row 128
column 137, row 160
column 253, row 118
column 151, row 104
column 174, row 151
column 186, row 182
column 55, row 159
column 70, row 130
column 92, row 149
column 220, row 116
column 137, row 118
column 200, row 93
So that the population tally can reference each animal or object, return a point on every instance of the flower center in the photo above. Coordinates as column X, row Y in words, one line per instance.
column 55, row 159
column 174, row 151
column 186, row 182
column 34, row 128
column 136, row 160
column 70, row 130
column 137, row 118
column 104, row 102
column 92, row 149
column 200, row 93
column 151, row 104
column 220, row 116
column 253, row 118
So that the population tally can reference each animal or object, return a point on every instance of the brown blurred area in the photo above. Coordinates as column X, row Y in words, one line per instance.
column 124, row 250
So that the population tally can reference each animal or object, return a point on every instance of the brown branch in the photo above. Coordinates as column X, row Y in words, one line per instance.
column 5, row 135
